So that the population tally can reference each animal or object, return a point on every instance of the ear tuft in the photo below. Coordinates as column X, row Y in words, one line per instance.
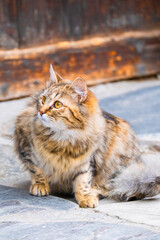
column 53, row 76
column 81, row 88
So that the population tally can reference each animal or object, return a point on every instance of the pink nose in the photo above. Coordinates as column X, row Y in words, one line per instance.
column 41, row 113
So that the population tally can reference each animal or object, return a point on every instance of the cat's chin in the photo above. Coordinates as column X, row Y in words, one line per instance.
column 54, row 125
column 44, row 119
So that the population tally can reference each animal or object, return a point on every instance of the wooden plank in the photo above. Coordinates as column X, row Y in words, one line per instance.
column 8, row 24
column 44, row 22
column 97, row 60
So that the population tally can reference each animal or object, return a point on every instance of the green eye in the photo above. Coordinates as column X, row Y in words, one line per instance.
column 58, row 104
column 43, row 99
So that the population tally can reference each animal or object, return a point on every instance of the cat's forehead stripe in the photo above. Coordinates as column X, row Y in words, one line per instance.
column 55, row 95
column 59, row 90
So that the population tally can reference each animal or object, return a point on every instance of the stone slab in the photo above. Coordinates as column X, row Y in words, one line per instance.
column 74, row 230
column 26, row 217
column 146, row 211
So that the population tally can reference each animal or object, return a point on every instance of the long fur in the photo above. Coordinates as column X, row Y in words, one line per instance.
column 80, row 149
column 135, row 182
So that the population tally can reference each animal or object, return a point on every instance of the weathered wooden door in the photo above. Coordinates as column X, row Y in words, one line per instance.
column 101, row 40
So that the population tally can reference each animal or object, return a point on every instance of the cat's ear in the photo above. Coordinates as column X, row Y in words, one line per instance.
column 80, row 87
column 54, row 76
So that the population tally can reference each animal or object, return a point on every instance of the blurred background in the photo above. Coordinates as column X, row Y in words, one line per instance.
column 100, row 40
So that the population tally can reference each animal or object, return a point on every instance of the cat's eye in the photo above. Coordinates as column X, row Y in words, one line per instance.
column 58, row 104
column 43, row 99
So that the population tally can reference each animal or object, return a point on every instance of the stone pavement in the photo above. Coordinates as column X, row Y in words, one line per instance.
column 26, row 217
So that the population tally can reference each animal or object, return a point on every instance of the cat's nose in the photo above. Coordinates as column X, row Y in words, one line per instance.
column 41, row 113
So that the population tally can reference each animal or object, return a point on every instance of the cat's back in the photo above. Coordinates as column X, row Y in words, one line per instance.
column 121, row 139
column 115, row 124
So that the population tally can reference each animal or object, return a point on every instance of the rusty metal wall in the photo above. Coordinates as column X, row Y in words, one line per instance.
column 101, row 40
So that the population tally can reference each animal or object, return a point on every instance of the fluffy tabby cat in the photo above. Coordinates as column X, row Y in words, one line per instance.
column 66, row 141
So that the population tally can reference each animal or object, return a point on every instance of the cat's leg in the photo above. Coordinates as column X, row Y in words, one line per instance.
column 84, row 194
column 39, row 186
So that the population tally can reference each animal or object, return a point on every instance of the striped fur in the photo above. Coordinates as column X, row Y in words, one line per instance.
column 80, row 149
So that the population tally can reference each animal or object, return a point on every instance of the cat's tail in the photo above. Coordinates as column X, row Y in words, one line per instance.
column 136, row 182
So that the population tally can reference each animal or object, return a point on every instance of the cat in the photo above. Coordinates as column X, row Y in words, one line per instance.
column 69, row 144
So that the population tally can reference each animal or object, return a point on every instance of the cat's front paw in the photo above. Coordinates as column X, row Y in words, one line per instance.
column 39, row 189
column 88, row 201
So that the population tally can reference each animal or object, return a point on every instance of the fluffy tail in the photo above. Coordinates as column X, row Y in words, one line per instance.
column 136, row 182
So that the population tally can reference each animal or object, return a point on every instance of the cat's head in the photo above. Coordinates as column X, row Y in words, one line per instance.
column 64, row 104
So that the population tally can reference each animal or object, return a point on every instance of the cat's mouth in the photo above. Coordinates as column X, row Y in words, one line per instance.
column 43, row 117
